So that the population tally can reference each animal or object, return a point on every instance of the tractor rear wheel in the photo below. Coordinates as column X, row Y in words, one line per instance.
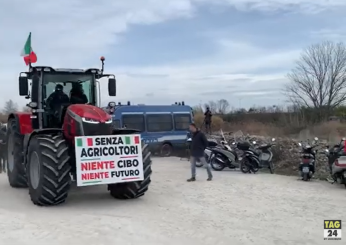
column 48, row 169
column 15, row 157
column 130, row 190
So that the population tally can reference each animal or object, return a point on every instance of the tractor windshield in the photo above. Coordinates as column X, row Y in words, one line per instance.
column 69, row 82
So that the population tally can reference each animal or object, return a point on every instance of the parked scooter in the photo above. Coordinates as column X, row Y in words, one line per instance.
column 223, row 156
column 256, row 157
column 308, row 157
column 266, row 156
column 250, row 158
column 337, row 162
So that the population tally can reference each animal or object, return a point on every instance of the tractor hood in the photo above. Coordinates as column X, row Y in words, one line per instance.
column 90, row 112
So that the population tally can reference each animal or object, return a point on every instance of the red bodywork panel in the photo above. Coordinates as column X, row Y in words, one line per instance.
column 73, row 122
column 82, row 110
column 24, row 122
column 89, row 111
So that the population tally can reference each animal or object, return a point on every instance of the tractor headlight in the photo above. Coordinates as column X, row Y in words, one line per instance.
column 89, row 120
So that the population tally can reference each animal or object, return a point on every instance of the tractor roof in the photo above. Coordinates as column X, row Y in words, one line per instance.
column 64, row 70
column 47, row 69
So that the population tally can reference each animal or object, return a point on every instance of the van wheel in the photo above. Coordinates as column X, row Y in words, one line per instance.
column 166, row 150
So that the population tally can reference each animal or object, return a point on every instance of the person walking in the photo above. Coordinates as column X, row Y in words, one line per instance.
column 198, row 145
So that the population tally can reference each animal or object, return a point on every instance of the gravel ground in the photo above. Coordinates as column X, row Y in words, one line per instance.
column 233, row 209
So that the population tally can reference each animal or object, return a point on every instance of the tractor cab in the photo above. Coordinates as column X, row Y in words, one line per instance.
column 53, row 90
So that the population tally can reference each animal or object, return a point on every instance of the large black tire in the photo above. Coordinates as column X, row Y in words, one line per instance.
column 15, row 156
column 130, row 190
column 48, row 169
column 3, row 148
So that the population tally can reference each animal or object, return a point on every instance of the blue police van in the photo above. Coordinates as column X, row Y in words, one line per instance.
column 163, row 127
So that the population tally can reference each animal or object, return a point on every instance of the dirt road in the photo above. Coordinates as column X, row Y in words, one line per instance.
column 233, row 209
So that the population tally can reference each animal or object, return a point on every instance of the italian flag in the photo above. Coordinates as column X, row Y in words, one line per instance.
column 27, row 53
column 88, row 142
column 132, row 140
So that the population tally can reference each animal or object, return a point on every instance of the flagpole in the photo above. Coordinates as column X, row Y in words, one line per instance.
column 30, row 53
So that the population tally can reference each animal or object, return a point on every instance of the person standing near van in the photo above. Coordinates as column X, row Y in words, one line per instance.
column 207, row 120
column 198, row 145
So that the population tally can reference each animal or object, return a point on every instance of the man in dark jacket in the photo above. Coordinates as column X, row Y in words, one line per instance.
column 57, row 98
column 55, row 101
column 198, row 145
column 77, row 95
column 207, row 120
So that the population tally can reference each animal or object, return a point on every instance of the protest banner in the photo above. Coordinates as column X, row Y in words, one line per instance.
column 108, row 159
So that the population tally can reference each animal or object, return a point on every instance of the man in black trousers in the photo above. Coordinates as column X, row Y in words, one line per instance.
column 198, row 145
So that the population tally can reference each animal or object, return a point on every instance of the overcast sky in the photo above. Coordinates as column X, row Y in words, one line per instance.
column 163, row 51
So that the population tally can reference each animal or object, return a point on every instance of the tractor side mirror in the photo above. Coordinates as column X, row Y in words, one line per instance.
column 112, row 87
column 23, row 86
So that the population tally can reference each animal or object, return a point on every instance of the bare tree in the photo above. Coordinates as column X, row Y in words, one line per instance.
column 262, row 109
column 197, row 109
column 212, row 106
column 222, row 106
column 319, row 78
column 10, row 107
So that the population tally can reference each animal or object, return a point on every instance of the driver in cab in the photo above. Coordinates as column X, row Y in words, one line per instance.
column 57, row 98
column 77, row 95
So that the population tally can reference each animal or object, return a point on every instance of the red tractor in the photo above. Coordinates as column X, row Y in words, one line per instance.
column 41, row 145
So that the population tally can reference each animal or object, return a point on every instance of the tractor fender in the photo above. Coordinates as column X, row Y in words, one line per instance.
column 28, row 137
column 23, row 121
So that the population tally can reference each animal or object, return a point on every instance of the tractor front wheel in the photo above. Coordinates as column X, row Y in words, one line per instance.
column 48, row 170
column 130, row 190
